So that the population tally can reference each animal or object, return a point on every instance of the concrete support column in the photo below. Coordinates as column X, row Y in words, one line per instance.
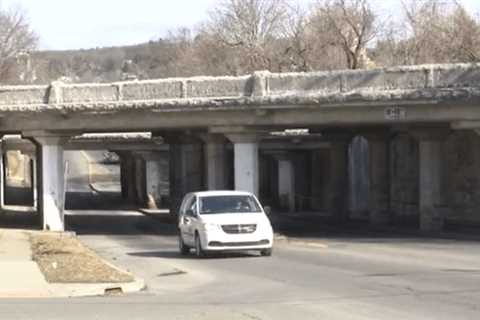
column 154, row 174
column 286, row 181
column 140, row 179
column 154, row 177
column 52, row 184
column 215, row 161
column 127, row 176
column 33, row 178
column 337, row 197
column 245, row 161
column 186, row 168
column 320, row 166
column 432, row 200
column 35, row 182
column 379, row 184
column 2, row 177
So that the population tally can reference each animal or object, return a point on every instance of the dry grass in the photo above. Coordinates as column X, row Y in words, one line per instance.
column 64, row 259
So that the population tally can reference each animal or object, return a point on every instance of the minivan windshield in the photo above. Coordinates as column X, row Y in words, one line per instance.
column 228, row 204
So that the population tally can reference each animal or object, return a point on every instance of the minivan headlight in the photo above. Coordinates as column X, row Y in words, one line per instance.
column 211, row 226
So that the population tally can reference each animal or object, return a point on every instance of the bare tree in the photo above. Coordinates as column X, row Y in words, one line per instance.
column 251, row 27
column 438, row 32
column 348, row 25
column 16, row 37
column 462, row 35
column 297, row 43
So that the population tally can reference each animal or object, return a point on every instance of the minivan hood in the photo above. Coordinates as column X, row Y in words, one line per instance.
column 235, row 218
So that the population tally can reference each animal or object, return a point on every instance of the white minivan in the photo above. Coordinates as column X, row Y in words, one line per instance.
column 223, row 221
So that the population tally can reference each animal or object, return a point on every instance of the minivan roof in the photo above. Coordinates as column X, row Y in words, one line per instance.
column 222, row 193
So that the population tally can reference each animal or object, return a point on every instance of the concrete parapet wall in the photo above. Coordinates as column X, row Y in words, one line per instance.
column 258, row 85
column 88, row 93
column 11, row 95
column 151, row 90
column 218, row 87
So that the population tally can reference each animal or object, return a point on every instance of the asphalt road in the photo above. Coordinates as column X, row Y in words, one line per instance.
column 354, row 278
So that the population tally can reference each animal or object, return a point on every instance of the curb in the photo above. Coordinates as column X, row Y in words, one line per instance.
column 138, row 284
column 161, row 217
column 294, row 241
column 71, row 290
column 76, row 290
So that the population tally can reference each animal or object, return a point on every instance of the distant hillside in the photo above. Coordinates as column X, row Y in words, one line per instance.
column 144, row 61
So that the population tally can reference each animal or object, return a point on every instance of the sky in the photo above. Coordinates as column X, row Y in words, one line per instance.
column 82, row 24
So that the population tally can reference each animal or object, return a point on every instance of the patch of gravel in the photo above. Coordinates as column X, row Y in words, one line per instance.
column 64, row 259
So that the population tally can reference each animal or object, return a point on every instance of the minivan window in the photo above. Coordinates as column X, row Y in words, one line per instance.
column 228, row 204
column 193, row 206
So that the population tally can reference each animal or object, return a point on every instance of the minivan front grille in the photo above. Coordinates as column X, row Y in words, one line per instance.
column 239, row 228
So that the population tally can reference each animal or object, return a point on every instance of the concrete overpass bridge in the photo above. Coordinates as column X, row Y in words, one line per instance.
column 419, row 123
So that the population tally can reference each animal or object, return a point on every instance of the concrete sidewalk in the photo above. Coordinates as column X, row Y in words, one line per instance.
column 20, row 277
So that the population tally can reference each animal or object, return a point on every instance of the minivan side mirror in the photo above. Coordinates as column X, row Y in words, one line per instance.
column 268, row 210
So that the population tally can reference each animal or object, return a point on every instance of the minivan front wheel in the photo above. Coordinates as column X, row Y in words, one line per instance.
column 266, row 252
column 198, row 247
column 184, row 250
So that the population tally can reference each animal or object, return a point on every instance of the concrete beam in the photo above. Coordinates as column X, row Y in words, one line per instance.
column 401, row 95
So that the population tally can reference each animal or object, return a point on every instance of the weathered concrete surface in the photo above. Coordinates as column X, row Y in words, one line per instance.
column 379, row 181
column 52, row 182
column 426, row 93
column 20, row 276
column 463, row 179
column 246, row 164
column 337, row 196
column 433, row 204
column 404, row 173
column 216, row 162
column 186, row 168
